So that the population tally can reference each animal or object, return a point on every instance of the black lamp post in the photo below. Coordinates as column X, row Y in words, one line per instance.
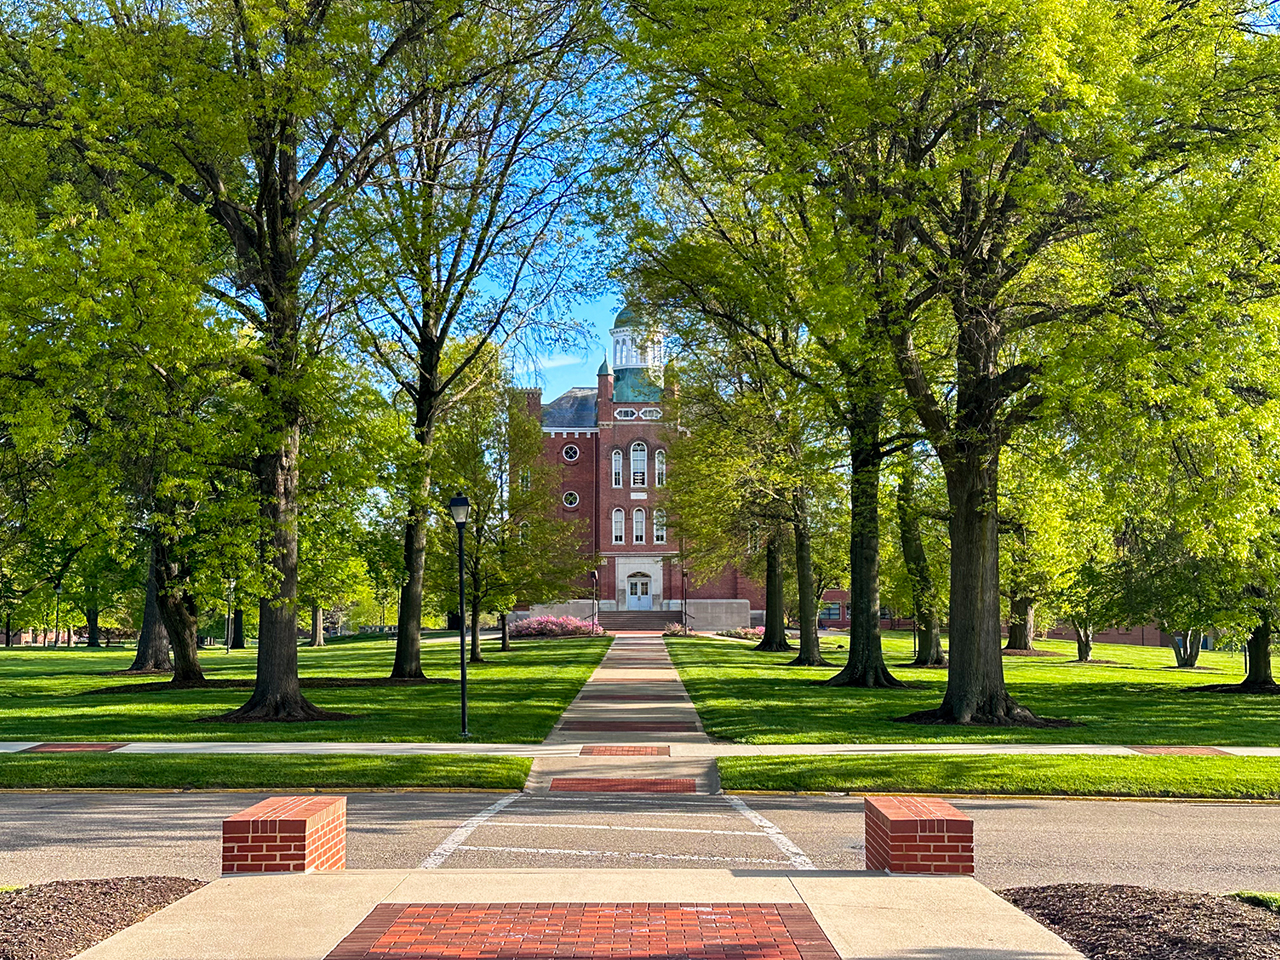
column 595, row 601
column 684, row 597
column 57, row 613
column 460, row 507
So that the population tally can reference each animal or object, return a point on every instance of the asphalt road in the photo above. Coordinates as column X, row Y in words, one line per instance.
column 1206, row 847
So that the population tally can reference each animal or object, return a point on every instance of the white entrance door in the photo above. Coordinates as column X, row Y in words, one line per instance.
column 638, row 597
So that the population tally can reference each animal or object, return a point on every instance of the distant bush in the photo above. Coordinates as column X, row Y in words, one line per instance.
column 749, row 633
column 554, row 627
column 677, row 630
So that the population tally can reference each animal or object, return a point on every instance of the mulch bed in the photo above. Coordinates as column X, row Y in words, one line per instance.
column 55, row 921
column 307, row 683
column 1135, row 923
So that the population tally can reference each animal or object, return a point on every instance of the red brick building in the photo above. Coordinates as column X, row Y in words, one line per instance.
column 611, row 442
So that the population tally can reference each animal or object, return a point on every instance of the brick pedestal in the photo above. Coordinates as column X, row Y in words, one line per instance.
column 285, row 835
column 913, row 835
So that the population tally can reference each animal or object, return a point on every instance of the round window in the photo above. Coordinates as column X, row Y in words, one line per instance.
column 571, row 453
column 570, row 499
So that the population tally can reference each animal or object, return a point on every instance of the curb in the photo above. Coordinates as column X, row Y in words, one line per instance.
column 1003, row 796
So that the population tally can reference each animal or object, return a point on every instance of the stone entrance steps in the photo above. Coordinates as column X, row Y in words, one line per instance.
column 623, row 621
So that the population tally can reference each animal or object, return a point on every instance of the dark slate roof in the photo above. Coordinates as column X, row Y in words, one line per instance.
column 636, row 385
column 576, row 407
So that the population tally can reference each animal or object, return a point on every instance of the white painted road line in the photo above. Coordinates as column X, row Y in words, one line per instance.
column 551, row 851
column 799, row 860
column 454, row 840
column 598, row 826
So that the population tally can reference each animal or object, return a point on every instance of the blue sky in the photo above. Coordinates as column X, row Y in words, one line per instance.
column 556, row 373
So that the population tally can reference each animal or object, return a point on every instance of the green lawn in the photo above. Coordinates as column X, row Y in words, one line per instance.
column 515, row 697
column 1268, row 901
column 752, row 697
column 1250, row 778
column 257, row 772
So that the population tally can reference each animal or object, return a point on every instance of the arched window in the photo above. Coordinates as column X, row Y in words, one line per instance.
column 659, row 526
column 639, row 464
column 659, row 468
column 637, row 526
column 619, row 525
column 526, row 480
column 523, row 535
column 617, row 468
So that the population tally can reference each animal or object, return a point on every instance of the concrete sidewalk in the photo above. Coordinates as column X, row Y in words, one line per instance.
column 860, row 915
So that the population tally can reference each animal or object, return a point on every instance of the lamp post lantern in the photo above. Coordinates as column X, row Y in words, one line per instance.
column 460, row 507
column 57, row 612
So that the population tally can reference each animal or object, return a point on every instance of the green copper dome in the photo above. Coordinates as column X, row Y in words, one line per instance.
column 604, row 370
column 625, row 318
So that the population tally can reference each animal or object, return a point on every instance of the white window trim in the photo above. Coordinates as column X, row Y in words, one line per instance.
column 616, row 467
column 640, row 447
column 577, row 500
column 651, row 413
column 624, row 413
column 637, row 525
column 619, row 525
column 577, row 452
column 659, row 468
column 659, row 526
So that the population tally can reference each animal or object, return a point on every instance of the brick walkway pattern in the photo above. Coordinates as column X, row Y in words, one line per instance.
column 586, row 931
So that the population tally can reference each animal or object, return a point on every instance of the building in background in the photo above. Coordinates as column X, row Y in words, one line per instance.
column 611, row 442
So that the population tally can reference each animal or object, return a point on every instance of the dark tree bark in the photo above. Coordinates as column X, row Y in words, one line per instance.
column 1022, row 623
column 866, row 666
column 506, row 632
column 237, row 629
column 8, row 628
column 1084, row 640
column 317, row 625
column 810, row 653
column 91, row 615
column 178, row 612
column 408, row 661
column 924, row 593
column 475, row 635
column 277, row 695
column 775, row 621
column 1259, row 675
column 975, row 675
column 153, row 640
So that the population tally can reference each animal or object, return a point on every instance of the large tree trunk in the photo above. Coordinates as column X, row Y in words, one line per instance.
column 506, row 632
column 865, row 667
column 475, row 634
column 1084, row 640
column 91, row 615
column 810, row 652
column 277, row 695
column 1186, row 652
column 178, row 611
column 924, row 592
column 408, row 662
column 1259, row 675
column 237, row 629
column 775, row 621
column 153, row 640
column 975, row 675
column 317, row 625
column 1022, row 623
column 8, row 628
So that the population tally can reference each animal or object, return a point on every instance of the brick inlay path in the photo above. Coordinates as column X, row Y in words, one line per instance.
column 585, row 931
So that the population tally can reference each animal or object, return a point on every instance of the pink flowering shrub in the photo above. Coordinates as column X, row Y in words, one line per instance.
column 677, row 630
column 748, row 633
column 554, row 627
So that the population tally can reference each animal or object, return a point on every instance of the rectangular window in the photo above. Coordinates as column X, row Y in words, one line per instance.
column 618, row 526
column 637, row 527
column 617, row 468
column 830, row 612
column 659, row 527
